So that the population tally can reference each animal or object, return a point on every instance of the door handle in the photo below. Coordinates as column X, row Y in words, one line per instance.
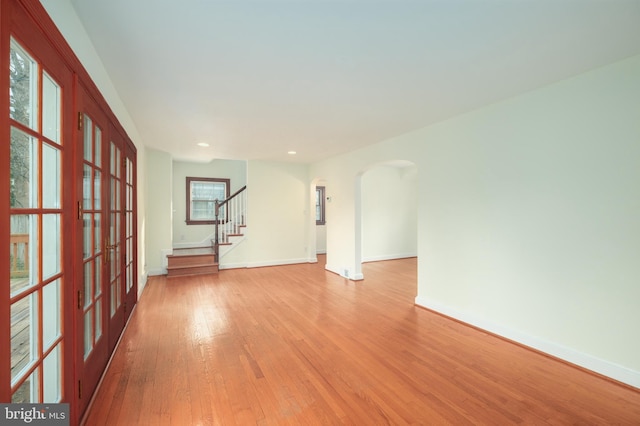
column 107, row 250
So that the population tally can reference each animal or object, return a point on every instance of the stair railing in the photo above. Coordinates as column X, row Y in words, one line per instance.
column 230, row 216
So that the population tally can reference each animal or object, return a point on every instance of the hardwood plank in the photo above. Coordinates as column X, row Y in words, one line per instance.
column 299, row 345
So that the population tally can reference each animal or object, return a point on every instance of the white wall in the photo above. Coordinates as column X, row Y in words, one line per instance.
column 190, row 235
column 278, row 214
column 528, row 217
column 158, row 200
column 389, row 212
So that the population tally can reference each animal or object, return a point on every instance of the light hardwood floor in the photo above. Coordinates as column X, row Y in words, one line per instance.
column 298, row 345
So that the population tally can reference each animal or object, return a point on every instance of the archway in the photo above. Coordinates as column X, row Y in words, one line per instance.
column 317, row 219
column 385, row 212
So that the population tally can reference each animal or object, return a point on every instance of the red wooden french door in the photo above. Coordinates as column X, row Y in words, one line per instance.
column 130, row 239
column 92, row 251
column 121, row 239
column 115, row 238
column 106, row 251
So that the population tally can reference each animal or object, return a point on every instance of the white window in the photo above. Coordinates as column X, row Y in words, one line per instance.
column 202, row 194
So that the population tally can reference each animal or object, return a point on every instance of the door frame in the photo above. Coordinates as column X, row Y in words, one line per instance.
column 19, row 19
column 31, row 25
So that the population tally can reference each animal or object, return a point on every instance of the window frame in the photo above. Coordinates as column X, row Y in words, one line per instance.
column 189, row 180
column 321, row 200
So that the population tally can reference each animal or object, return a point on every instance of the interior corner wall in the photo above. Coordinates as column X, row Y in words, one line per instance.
column 196, row 235
column 528, row 217
column 278, row 214
column 158, row 201
column 389, row 213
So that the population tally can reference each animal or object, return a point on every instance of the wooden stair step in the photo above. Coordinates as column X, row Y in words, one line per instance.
column 202, row 269
column 192, row 261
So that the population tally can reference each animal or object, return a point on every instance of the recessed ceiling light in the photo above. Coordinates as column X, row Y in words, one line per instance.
column 291, row 153
column 203, row 144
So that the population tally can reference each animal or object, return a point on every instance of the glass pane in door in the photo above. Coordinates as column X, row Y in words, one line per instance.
column 92, row 235
column 23, row 93
column 36, row 234
column 51, row 98
column 115, row 228
column 24, row 335
column 24, row 170
column 129, row 231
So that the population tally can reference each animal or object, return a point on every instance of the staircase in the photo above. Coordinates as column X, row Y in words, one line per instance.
column 229, row 228
column 192, row 261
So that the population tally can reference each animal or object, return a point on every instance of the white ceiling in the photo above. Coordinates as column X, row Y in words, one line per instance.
column 256, row 79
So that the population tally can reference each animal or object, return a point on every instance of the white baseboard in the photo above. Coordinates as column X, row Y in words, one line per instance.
column 345, row 273
column 232, row 265
column 267, row 263
column 589, row 362
column 276, row 262
column 379, row 258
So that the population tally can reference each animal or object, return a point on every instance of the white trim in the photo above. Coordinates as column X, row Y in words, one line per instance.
column 263, row 264
column 232, row 265
column 155, row 272
column 388, row 257
column 341, row 272
column 276, row 262
column 600, row 366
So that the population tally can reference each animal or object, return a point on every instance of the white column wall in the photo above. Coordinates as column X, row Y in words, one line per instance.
column 158, row 241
